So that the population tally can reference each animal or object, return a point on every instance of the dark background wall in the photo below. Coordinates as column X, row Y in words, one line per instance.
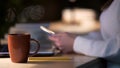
column 52, row 10
column 3, row 24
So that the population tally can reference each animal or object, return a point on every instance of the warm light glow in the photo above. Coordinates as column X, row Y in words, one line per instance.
column 72, row 0
column 78, row 15
column 67, row 15
column 76, row 20
column 81, row 15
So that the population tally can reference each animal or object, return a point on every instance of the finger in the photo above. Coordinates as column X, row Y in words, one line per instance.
column 57, row 46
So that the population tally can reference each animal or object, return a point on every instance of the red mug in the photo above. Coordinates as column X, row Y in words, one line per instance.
column 19, row 47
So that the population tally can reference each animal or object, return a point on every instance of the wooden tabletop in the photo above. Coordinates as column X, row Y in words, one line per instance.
column 66, row 61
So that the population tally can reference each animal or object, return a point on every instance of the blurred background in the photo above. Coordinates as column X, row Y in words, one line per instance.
column 27, row 15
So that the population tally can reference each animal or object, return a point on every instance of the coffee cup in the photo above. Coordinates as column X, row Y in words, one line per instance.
column 19, row 47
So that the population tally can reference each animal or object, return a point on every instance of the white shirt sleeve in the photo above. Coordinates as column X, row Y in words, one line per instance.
column 98, row 48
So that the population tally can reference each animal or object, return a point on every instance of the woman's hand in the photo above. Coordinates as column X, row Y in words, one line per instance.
column 64, row 41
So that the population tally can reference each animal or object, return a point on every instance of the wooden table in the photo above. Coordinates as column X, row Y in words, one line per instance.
column 77, row 61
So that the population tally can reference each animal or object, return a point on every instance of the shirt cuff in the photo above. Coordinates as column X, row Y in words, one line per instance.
column 82, row 45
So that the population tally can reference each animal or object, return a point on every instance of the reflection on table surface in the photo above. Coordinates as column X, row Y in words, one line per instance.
column 64, row 61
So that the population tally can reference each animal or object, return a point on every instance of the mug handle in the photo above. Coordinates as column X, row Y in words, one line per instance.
column 38, row 47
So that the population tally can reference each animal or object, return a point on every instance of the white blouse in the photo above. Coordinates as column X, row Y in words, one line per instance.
column 109, row 46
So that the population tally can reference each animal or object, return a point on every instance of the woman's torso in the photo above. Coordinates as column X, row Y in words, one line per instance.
column 110, row 20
